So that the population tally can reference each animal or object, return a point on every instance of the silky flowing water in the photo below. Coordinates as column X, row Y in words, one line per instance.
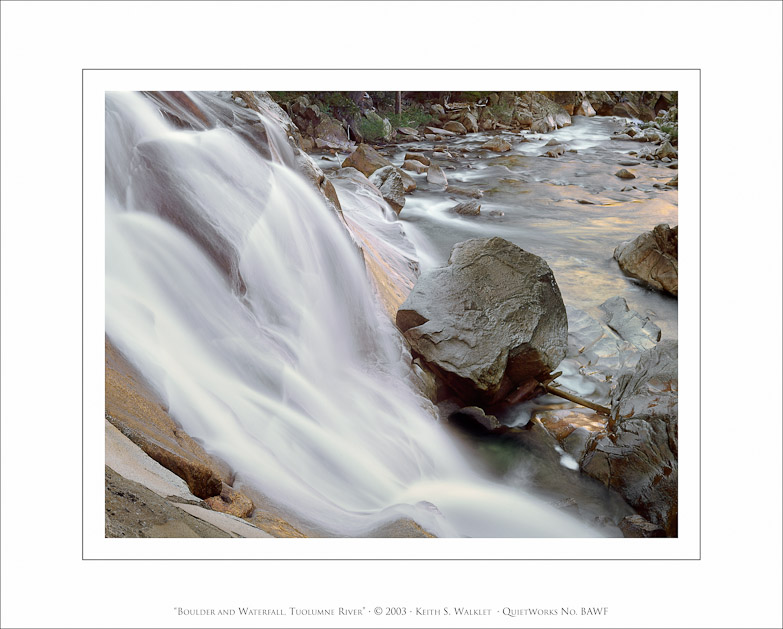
column 243, row 300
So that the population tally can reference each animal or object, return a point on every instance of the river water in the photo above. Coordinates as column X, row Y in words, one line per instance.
column 240, row 296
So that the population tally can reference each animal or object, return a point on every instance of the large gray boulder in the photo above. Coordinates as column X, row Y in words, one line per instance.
column 489, row 321
column 638, row 456
column 652, row 258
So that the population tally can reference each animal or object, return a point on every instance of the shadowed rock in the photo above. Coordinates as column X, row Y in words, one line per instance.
column 638, row 456
column 487, row 322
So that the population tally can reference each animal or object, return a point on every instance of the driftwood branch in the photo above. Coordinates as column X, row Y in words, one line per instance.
column 556, row 390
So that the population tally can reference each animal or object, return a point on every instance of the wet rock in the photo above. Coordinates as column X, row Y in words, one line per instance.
column 638, row 457
column 555, row 151
column 497, row 144
column 652, row 258
column 468, row 208
column 637, row 526
column 629, row 324
column 625, row 174
column 673, row 182
column 418, row 157
column 417, row 167
column 474, row 419
column 470, row 122
column 628, row 163
column 137, row 412
column 435, row 175
column 553, row 142
column 465, row 192
column 389, row 181
column 455, row 127
column 487, row 322
column 232, row 502
column 365, row 159
column 408, row 182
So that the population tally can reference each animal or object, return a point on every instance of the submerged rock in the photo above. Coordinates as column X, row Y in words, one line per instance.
column 487, row 322
column 625, row 174
column 629, row 325
column 468, row 208
column 652, row 258
column 638, row 456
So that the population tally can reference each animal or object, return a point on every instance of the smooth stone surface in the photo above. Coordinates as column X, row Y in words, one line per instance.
column 488, row 321
column 652, row 258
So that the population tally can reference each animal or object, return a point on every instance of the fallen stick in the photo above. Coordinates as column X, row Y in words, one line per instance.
column 554, row 390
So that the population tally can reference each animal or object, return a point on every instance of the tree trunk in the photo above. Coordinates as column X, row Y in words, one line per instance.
column 398, row 103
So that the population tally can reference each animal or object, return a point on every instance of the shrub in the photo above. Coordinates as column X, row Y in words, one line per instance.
column 371, row 130
column 414, row 116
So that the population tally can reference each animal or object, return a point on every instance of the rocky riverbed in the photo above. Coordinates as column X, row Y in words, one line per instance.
column 461, row 224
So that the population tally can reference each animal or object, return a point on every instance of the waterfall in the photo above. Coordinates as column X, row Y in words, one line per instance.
column 242, row 299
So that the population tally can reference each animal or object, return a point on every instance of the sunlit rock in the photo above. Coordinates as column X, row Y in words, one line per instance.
column 652, row 258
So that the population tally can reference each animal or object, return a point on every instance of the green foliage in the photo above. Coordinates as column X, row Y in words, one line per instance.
column 383, row 101
column 370, row 129
column 414, row 116
column 336, row 104
column 671, row 129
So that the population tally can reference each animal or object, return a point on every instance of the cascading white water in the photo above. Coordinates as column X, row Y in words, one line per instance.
column 241, row 298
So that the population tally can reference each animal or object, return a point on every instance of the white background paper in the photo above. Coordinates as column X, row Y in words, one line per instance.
column 737, row 46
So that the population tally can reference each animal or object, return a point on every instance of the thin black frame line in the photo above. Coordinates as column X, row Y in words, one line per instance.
column 406, row 558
